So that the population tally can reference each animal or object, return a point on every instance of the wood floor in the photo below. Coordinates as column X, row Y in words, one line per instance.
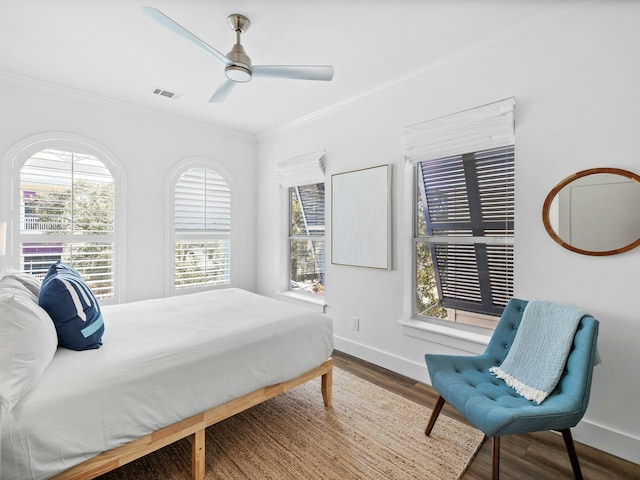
column 533, row 456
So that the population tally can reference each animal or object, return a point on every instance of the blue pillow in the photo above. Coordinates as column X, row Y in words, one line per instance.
column 73, row 308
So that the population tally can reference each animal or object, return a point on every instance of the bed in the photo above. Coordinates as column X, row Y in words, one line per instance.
column 166, row 370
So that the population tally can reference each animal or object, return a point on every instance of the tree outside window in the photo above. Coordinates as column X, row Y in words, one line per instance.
column 67, row 201
column 306, row 238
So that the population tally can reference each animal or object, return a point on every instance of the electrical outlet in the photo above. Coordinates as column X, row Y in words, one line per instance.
column 355, row 324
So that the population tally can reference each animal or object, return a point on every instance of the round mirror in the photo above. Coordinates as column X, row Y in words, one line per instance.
column 595, row 211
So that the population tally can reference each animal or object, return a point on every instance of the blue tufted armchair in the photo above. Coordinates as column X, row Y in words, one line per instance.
column 492, row 406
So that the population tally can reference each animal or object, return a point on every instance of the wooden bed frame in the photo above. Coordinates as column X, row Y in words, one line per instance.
column 194, row 427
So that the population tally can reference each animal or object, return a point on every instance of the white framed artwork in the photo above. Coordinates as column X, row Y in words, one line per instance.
column 361, row 218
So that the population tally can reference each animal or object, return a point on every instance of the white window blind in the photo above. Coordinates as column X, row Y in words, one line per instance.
column 482, row 128
column 303, row 170
column 67, row 213
column 202, row 218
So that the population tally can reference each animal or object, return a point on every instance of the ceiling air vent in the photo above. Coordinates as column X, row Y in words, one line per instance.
column 165, row 93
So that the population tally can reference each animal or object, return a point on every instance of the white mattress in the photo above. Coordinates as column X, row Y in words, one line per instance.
column 162, row 360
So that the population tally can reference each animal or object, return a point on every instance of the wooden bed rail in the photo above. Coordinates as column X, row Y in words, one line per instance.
column 193, row 427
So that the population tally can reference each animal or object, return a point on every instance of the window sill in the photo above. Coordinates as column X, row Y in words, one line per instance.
column 316, row 303
column 455, row 337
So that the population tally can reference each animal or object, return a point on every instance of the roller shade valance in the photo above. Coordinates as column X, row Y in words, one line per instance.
column 481, row 128
column 303, row 170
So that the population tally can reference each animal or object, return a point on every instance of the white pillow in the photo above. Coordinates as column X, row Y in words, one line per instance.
column 28, row 281
column 12, row 286
column 28, row 342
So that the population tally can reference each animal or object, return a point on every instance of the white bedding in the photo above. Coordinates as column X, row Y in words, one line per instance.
column 162, row 360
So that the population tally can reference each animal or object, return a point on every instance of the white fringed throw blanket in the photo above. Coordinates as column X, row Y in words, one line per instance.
column 540, row 349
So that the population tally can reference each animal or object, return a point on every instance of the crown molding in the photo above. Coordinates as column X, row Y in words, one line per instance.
column 19, row 80
column 554, row 17
column 550, row 19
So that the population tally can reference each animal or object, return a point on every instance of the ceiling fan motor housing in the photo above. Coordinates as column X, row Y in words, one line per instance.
column 240, row 69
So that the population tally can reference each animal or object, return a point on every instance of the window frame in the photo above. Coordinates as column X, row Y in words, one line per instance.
column 14, row 161
column 308, row 237
column 306, row 169
column 484, row 235
column 469, row 338
column 476, row 129
column 172, row 178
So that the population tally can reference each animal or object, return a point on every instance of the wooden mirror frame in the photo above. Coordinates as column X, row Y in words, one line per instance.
column 552, row 194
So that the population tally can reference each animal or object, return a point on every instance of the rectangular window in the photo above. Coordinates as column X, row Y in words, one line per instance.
column 464, row 241
column 306, row 238
column 463, row 208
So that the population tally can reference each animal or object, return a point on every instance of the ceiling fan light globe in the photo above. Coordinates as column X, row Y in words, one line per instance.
column 238, row 73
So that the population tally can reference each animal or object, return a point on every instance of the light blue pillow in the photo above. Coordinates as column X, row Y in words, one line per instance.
column 73, row 308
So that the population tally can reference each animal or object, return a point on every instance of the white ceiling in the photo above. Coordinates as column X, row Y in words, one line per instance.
column 109, row 48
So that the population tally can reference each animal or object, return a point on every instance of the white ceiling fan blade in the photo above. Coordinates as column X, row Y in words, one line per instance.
column 166, row 22
column 298, row 72
column 222, row 92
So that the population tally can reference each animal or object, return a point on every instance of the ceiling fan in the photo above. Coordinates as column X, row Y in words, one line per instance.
column 237, row 64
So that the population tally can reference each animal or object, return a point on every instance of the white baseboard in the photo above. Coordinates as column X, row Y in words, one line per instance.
column 616, row 443
column 386, row 360
column 597, row 436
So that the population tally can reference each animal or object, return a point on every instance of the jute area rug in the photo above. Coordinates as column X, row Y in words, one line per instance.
column 370, row 433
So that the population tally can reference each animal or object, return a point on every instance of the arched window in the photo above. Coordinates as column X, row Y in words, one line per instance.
column 67, row 204
column 202, row 229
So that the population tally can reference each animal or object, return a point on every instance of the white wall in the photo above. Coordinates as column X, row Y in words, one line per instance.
column 148, row 145
column 577, row 106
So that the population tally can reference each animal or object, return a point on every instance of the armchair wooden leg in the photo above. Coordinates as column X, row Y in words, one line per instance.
column 495, row 471
column 571, row 450
column 434, row 415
